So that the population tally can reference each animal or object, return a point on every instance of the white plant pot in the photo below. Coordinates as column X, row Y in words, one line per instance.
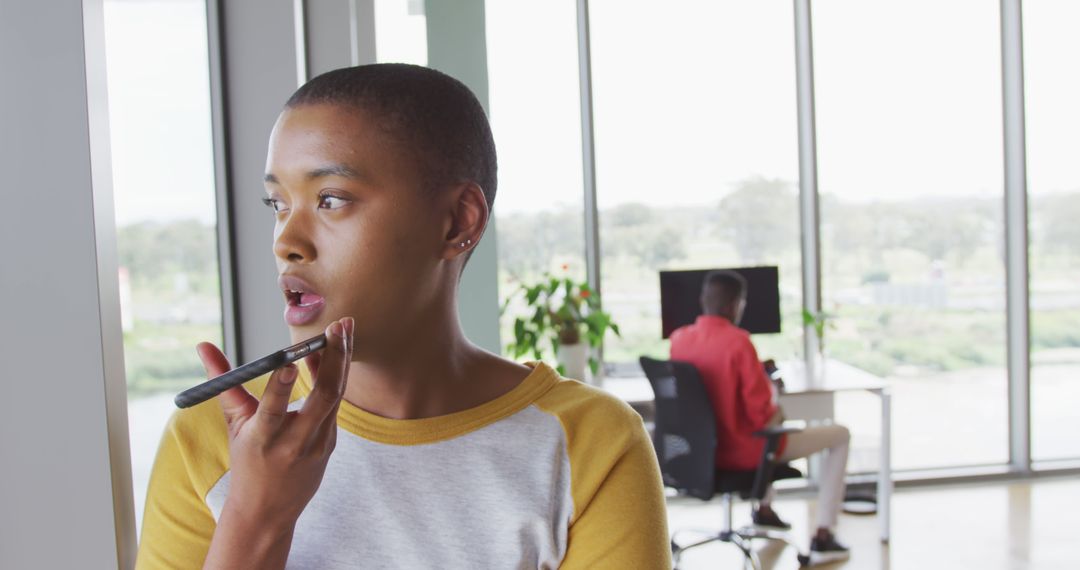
column 575, row 360
column 818, row 374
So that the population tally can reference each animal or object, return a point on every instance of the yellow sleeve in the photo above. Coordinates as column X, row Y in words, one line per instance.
column 193, row 455
column 620, row 515
column 177, row 525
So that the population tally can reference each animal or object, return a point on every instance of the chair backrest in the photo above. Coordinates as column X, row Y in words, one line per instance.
column 685, row 427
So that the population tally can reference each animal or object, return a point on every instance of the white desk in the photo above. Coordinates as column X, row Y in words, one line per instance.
column 813, row 405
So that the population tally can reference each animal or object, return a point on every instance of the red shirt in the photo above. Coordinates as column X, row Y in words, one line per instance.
column 740, row 392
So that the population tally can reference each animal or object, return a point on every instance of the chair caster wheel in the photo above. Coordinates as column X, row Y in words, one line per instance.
column 804, row 560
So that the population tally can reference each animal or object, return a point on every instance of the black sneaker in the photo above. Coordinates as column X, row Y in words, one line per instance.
column 822, row 551
column 768, row 519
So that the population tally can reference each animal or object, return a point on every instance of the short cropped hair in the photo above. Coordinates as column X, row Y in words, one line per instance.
column 432, row 115
column 721, row 288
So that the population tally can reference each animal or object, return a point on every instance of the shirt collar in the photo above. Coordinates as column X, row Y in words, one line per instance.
column 712, row 320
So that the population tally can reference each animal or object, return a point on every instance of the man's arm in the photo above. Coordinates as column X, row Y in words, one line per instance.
column 755, row 388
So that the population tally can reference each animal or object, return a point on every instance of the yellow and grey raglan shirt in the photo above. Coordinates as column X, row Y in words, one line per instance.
column 553, row 474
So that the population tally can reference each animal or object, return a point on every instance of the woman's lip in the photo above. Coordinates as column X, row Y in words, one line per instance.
column 288, row 282
column 300, row 315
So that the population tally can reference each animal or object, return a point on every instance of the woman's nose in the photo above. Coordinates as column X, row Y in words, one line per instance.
column 293, row 241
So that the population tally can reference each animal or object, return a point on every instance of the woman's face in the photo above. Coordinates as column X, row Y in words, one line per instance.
column 355, row 235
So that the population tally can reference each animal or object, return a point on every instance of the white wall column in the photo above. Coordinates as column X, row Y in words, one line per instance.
column 66, row 482
column 256, row 56
column 457, row 46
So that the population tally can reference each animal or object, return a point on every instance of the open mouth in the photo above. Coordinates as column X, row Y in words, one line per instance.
column 302, row 304
column 302, row 298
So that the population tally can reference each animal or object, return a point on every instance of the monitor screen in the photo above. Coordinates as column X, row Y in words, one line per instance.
column 680, row 298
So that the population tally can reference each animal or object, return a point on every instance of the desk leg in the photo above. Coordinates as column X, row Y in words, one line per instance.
column 885, row 484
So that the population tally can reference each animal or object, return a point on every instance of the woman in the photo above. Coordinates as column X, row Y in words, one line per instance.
column 404, row 445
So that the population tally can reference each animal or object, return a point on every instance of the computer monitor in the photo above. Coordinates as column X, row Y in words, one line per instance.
column 680, row 298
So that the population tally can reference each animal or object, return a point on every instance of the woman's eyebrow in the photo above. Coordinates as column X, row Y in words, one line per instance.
column 333, row 170
column 329, row 170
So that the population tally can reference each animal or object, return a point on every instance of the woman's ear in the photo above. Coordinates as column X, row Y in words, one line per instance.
column 467, row 221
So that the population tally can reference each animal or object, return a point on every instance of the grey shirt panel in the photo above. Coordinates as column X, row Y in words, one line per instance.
column 497, row 497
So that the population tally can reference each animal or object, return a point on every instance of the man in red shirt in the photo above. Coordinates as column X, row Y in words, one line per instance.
column 744, row 401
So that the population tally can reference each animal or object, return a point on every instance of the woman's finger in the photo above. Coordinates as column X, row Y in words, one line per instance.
column 312, row 363
column 275, row 401
column 235, row 402
column 333, row 367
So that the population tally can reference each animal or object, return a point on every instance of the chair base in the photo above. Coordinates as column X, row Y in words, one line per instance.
column 741, row 538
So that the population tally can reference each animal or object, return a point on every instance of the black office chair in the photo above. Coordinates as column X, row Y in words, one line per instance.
column 685, row 441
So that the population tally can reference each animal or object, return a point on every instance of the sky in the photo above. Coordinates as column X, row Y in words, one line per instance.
column 159, row 110
column 688, row 100
column 692, row 99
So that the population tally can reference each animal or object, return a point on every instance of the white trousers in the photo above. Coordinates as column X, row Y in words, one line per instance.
column 833, row 442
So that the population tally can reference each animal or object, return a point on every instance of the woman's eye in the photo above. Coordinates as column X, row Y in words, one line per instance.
column 274, row 204
column 331, row 202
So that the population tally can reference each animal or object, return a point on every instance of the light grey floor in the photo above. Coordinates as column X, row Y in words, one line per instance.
column 989, row 526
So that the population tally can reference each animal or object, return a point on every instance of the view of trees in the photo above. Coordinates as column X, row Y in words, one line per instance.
column 886, row 265
column 756, row 218
column 173, row 276
column 171, row 302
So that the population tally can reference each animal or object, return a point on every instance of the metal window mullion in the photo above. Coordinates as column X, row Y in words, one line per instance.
column 230, row 321
column 591, row 213
column 362, row 32
column 588, row 155
column 1016, row 237
column 809, row 218
column 300, row 36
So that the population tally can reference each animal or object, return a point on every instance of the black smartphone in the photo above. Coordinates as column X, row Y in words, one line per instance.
column 249, row 371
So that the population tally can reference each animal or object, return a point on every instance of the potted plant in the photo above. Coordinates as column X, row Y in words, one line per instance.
column 564, row 316
column 818, row 321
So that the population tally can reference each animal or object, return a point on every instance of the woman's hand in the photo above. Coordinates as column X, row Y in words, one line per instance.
column 277, row 457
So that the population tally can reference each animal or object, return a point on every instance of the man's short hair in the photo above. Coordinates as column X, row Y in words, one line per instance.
column 721, row 288
column 429, row 113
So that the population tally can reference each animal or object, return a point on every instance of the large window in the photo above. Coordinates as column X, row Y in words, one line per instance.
column 163, row 179
column 694, row 113
column 909, row 133
column 696, row 155
column 1051, row 45
column 535, row 116
column 401, row 32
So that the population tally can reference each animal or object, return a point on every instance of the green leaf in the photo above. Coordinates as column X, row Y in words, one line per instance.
column 594, row 365
column 564, row 313
column 574, row 312
column 519, row 330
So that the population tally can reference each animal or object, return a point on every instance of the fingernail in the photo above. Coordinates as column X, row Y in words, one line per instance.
column 288, row 374
column 348, row 323
column 337, row 330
